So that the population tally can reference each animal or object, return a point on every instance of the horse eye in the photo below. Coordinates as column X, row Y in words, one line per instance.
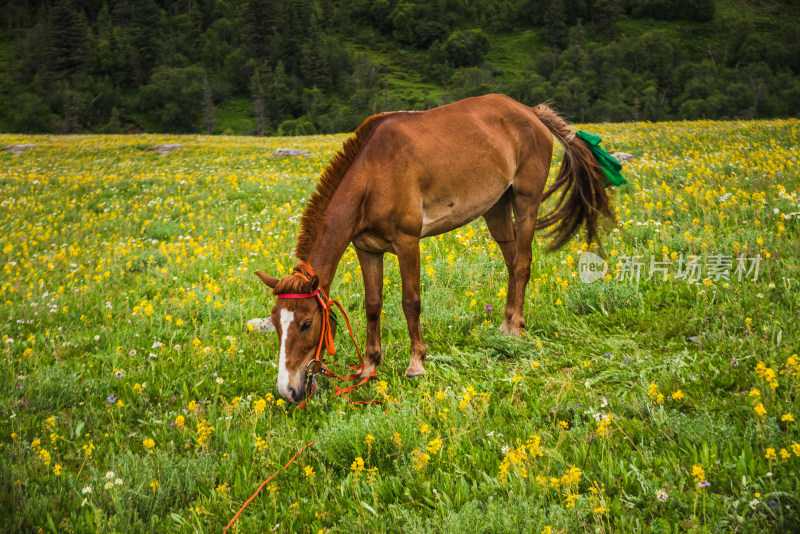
column 305, row 326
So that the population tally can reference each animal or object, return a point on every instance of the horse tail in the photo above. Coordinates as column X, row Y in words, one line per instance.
column 583, row 196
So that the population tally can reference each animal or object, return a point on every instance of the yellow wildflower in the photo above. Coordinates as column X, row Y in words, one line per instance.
column 698, row 473
column 419, row 460
column 358, row 465
column 88, row 448
column 434, row 445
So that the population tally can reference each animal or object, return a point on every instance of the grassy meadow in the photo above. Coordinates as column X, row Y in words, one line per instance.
column 134, row 399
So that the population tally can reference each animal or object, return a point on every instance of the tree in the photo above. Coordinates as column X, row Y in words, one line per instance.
column 259, row 82
column 606, row 13
column 66, row 39
column 757, row 76
column 173, row 100
column 555, row 24
column 140, row 24
column 261, row 23
column 208, row 105
column 466, row 48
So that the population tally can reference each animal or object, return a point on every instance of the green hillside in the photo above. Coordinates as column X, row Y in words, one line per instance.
column 304, row 67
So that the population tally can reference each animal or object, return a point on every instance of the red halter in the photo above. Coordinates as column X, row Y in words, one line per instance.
column 317, row 365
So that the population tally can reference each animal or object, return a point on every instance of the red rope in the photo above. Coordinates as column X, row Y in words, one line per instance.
column 262, row 487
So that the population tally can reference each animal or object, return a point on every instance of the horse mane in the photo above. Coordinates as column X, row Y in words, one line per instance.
column 329, row 181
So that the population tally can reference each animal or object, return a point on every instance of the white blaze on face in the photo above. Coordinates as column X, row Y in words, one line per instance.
column 287, row 317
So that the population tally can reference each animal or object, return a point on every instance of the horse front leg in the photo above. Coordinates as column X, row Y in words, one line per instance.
column 408, row 258
column 372, row 271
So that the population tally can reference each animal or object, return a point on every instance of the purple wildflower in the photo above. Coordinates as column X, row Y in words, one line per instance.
column 111, row 399
column 489, row 307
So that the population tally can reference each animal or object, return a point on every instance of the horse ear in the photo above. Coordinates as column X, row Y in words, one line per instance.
column 314, row 283
column 267, row 279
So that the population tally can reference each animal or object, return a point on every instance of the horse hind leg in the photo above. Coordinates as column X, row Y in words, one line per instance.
column 501, row 226
column 528, row 188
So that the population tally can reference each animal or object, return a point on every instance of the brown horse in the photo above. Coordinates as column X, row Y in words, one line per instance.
column 408, row 175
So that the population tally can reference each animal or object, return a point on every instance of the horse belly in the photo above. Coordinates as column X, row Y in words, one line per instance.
column 452, row 209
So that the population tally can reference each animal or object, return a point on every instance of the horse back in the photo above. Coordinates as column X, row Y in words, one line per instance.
column 430, row 172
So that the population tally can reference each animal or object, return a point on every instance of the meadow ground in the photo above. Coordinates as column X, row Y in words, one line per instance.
column 134, row 399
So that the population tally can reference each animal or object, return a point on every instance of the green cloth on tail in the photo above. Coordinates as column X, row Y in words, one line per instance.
column 607, row 162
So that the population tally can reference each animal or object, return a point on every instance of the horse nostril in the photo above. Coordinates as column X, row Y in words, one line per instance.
column 293, row 393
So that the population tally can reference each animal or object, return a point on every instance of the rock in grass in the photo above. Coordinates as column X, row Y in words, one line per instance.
column 18, row 149
column 623, row 157
column 165, row 149
column 260, row 325
column 565, row 409
column 290, row 152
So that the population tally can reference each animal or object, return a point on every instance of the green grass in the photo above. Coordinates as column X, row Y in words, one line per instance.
column 127, row 276
column 235, row 116
column 514, row 52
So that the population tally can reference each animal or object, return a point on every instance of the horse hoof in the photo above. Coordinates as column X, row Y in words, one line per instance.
column 511, row 330
column 367, row 372
column 415, row 371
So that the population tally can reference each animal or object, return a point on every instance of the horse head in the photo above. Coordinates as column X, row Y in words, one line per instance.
column 298, row 321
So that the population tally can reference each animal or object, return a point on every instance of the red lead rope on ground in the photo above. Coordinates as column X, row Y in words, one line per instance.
column 326, row 340
column 262, row 487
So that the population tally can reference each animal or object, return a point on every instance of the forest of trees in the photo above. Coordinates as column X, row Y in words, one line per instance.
column 315, row 66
